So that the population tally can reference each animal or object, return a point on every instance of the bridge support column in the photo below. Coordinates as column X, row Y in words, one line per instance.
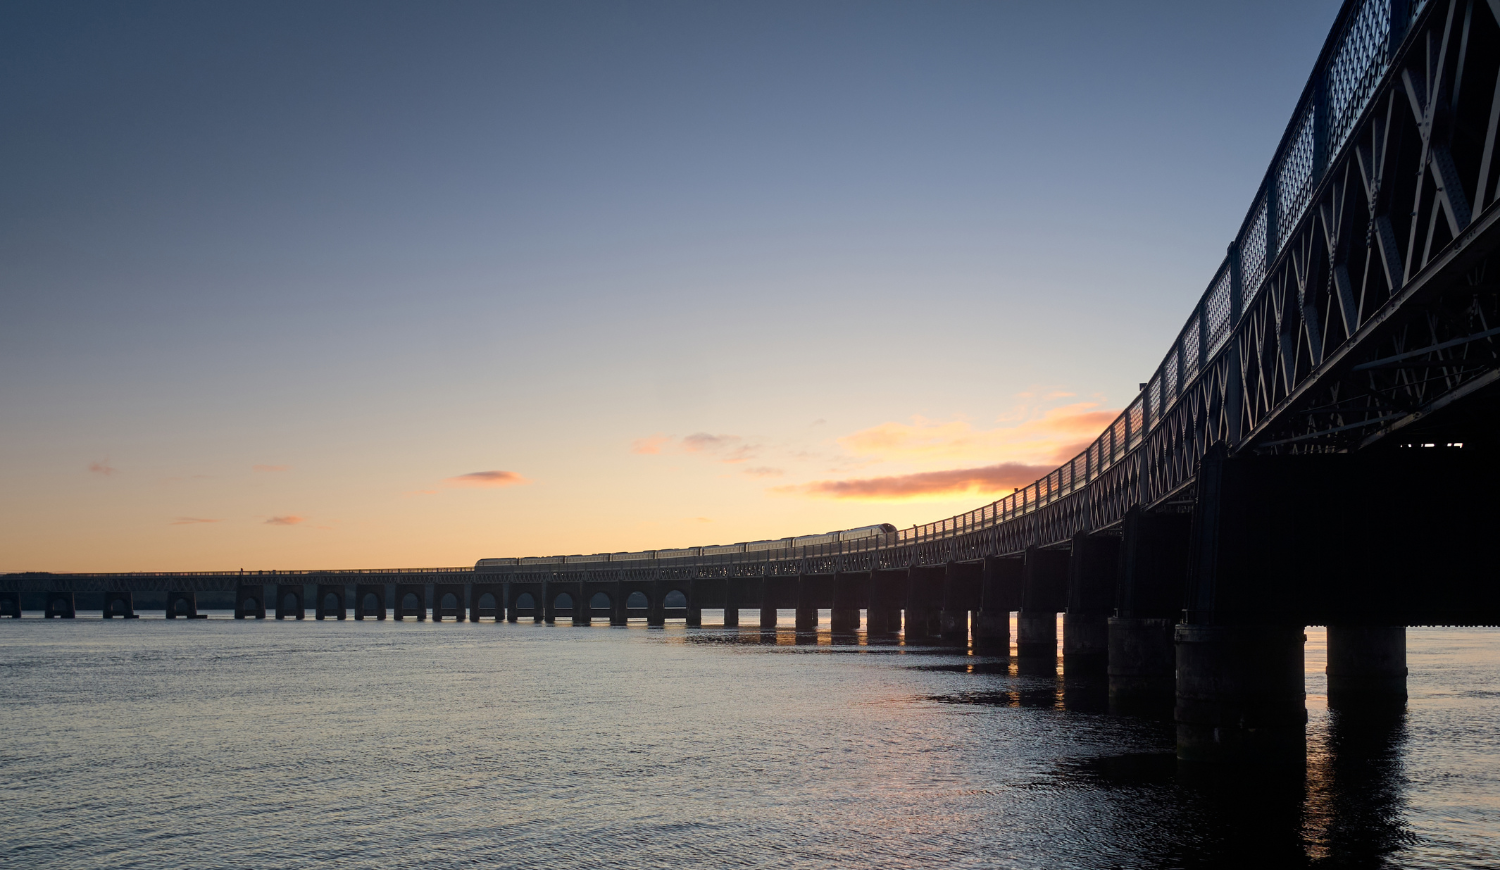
column 769, row 596
column 1142, row 664
column 340, row 610
column 187, row 596
column 1036, row 635
column 121, row 604
column 60, row 606
column 361, row 591
column 962, row 587
column 656, row 617
column 618, row 614
column 249, row 600
column 999, row 595
column 583, row 610
column 844, row 617
column 1239, row 693
column 298, row 608
column 10, row 604
column 695, row 604
column 1093, row 571
column 883, row 615
column 1366, row 664
column 1153, row 564
column 512, row 614
column 1085, row 643
column 807, row 603
column 731, row 603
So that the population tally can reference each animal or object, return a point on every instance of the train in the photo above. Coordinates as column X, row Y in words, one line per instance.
column 880, row 534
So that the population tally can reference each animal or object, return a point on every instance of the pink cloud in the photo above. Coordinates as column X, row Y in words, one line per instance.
column 651, row 445
column 487, row 479
column 988, row 479
column 289, row 520
column 103, row 469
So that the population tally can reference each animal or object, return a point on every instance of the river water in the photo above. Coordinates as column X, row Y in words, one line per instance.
column 223, row 743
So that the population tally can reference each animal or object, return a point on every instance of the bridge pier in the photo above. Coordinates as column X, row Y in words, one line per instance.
column 321, row 609
column 187, row 596
column 656, row 617
column 807, row 603
column 1239, row 693
column 883, row 614
column 10, row 604
column 844, row 616
column 496, row 592
column 298, row 608
column 619, row 614
column 1000, row 593
column 1153, row 573
column 1366, row 664
column 962, row 584
column 441, row 591
column 583, row 608
column 249, row 600
column 731, row 603
column 1044, row 595
column 769, row 594
column 1092, row 571
column 362, row 591
column 120, row 604
column 60, row 606
column 695, row 604
column 417, row 591
column 917, row 624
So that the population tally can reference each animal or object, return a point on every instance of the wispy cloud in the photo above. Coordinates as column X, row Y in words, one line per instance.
column 731, row 449
column 486, row 479
column 1051, row 435
column 650, row 445
column 927, row 484
column 288, row 520
column 191, row 521
column 763, row 471
column 103, row 469
column 270, row 468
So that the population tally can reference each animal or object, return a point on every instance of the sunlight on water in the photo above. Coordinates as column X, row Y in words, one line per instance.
column 223, row 743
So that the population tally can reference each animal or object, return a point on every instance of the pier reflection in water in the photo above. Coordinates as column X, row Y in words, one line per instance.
column 220, row 744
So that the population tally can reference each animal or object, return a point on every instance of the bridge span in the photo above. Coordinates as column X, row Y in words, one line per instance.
column 1317, row 447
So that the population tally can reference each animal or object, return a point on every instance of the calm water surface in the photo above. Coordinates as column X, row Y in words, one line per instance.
column 220, row 743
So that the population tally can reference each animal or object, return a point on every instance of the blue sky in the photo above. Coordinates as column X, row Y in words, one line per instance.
column 671, row 265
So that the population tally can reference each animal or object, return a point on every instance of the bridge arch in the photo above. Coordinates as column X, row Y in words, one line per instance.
column 118, row 604
column 525, row 601
column 675, row 599
column 637, row 600
column 371, row 602
column 448, row 602
column 600, row 602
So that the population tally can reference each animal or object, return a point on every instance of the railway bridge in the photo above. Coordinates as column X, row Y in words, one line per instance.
column 1317, row 447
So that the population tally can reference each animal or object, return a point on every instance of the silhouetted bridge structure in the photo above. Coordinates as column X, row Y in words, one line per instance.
column 1317, row 447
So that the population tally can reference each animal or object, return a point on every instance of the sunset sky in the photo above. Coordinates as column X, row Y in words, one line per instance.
column 344, row 285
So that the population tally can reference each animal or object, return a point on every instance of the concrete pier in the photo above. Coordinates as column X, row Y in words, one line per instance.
column 295, row 607
column 883, row 610
column 694, row 604
column 656, row 617
column 338, row 609
column 1240, row 693
column 847, row 589
column 1093, row 570
column 60, row 606
column 250, row 601
column 189, row 601
column 731, row 603
column 418, row 591
column 1043, row 596
column 1366, row 664
column 363, row 591
column 120, row 604
column 1153, row 562
column 807, row 602
column 1000, row 594
column 962, row 592
column 496, row 592
column 769, row 593
column 440, row 592
column 924, row 584
column 10, row 605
